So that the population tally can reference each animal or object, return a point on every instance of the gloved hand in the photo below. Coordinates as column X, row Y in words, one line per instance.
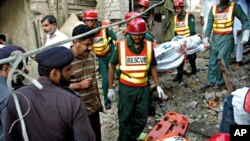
column 205, row 41
column 111, row 94
column 245, row 36
column 161, row 93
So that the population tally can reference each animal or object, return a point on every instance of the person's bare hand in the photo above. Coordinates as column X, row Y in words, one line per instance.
column 86, row 83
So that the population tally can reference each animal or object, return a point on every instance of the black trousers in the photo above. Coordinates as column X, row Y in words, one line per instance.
column 95, row 124
column 191, row 58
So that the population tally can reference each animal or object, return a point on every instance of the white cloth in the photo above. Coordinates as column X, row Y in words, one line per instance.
column 238, row 26
column 205, row 8
column 1, row 45
column 191, row 4
column 240, row 116
column 168, row 56
column 237, row 23
column 56, row 37
column 193, row 43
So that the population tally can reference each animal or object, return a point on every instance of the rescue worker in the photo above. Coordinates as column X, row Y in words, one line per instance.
column 150, row 37
column 220, row 23
column 135, row 58
column 103, row 48
column 148, row 16
column 58, row 113
column 184, row 26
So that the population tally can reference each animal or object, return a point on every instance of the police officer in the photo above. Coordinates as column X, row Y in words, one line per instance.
column 135, row 58
column 58, row 113
column 4, row 91
column 103, row 48
column 184, row 26
column 220, row 22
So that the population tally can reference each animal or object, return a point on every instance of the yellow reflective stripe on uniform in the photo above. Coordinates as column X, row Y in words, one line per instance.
column 104, row 42
column 175, row 18
column 102, row 47
column 182, row 31
column 223, row 25
column 223, row 29
column 223, row 22
column 134, row 80
column 149, row 53
column 137, row 74
column 123, row 65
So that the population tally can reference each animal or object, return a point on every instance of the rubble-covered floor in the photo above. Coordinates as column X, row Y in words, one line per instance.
column 190, row 99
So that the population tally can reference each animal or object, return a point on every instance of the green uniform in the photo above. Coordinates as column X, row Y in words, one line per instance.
column 222, row 45
column 103, row 62
column 192, row 57
column 133, row 103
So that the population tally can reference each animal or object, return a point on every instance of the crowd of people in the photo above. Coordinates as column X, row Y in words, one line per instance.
column 67, row 105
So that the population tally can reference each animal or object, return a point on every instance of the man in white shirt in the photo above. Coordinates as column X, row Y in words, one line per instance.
column 49, row 25
column 205, row 8
column 238, row 34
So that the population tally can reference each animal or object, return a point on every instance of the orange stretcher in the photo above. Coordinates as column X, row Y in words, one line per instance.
column 172, row 122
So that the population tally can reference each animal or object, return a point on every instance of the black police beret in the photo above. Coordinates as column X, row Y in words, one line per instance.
column 6, row 51
column 57, row 57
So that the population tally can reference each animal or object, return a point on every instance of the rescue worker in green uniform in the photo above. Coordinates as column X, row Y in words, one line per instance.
column 135, row 58
column 184, row 26
column 150, row 37
column 220, row 23
column 103, row 48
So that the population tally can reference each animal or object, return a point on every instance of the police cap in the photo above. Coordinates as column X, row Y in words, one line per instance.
column 57, row 57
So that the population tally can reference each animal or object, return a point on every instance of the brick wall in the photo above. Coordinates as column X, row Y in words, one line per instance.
column 112, row 10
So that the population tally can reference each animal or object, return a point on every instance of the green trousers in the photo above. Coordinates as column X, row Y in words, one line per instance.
column 221, row 48
column 132, row 111
column 103, row 63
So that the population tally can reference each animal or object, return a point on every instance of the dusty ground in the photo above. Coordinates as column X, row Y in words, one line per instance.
column 188, row 100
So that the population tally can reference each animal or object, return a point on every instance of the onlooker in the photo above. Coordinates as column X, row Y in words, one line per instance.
column 49, row 25
column 236, row 109
column 222, row 43
column 135, row 58
column 205, row 8
column 2, row 39
column 184, row 26
column 103, row 48
column 53, row 112
column 84, row 81
column 4, row 91
column 238, row 34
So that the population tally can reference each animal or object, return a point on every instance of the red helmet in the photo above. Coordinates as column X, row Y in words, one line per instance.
column 145, row 3
column 90, row 14
column 247, row 102
column 131, row 14
column 137, row 26
column 178, row 3
column 220, row 137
